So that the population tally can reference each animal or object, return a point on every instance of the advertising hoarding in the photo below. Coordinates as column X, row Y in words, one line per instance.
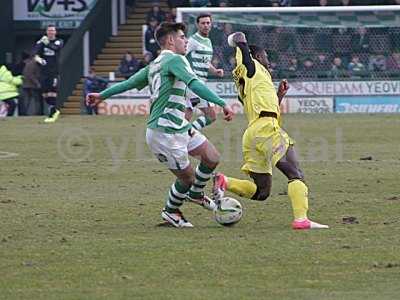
column 62, row 13
column 309, row 105
column 302, row 97
column 368, row 104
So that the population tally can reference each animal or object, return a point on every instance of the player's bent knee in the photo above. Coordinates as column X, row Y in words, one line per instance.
column 261, row 194
column 211, row 157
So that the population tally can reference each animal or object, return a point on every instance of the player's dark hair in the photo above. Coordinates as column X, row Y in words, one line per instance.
column 50, row 25
column 254, row 50
column 166, row 28
column 205, row 15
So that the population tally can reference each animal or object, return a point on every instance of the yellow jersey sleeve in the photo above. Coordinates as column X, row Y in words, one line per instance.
column 239, row 73
column 239, row 56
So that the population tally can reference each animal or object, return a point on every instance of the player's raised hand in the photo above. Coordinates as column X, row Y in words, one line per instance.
column 93, row 99
column 219, row 72
column 283, row 88
column 228, row 113
column 235, row 38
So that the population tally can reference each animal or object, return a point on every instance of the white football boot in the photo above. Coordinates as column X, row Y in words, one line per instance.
column 176, row 219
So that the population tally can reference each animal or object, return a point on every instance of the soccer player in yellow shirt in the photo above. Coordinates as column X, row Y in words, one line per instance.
column 265, row 144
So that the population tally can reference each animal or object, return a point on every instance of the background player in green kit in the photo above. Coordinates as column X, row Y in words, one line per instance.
column 169, row 135
column 199, row 54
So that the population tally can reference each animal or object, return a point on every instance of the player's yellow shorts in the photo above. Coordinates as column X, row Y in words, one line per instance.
column 264, row 144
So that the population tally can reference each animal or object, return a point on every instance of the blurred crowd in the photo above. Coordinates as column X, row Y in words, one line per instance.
column 311, row 53
column 319, row 53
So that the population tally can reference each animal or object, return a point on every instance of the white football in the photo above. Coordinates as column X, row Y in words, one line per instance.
column 228, row 212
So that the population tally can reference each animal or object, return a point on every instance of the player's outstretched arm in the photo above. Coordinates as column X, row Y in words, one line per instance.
column 238, row 39
column 136, row 81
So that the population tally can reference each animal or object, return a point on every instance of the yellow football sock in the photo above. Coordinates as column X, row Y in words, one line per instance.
column 243, row 188
column 298, row 194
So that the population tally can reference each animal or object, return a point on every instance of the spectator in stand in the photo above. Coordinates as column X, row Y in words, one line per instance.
column 171, row 15
column 9, row 89
column 338, row 70
column 30, row 102
column 360, row 40
column 129, row 65
column 93, row 84
column 285, row 39
column 323, row 2
column 356, row 67
column 323, row 39
column 225, row 49
column 322, row 65
column 345, row 2
column 155, row 13
column 307, row 68
column 151, row 44
column 147, row 58
column 377, row 63
column 292, row 68
column 278, row 3
column 393, row 64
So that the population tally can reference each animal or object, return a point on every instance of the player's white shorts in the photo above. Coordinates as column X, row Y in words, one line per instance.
column 173, row 149
column 192, row 101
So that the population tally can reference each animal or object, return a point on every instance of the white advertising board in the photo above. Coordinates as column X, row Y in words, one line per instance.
column 303, row 97
column 54, row 10
column 309, row 105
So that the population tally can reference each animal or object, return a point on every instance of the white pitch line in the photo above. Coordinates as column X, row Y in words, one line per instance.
column 4, row 154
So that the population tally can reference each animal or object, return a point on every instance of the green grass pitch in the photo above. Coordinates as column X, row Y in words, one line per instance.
column 80, row 200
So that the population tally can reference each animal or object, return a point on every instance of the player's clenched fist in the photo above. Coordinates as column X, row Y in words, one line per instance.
column 235, row 38
column 228, row 113
column 283, row 88
column 93, row 99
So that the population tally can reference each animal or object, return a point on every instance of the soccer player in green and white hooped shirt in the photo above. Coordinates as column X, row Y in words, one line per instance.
column 199, row 54
column 169, row 135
